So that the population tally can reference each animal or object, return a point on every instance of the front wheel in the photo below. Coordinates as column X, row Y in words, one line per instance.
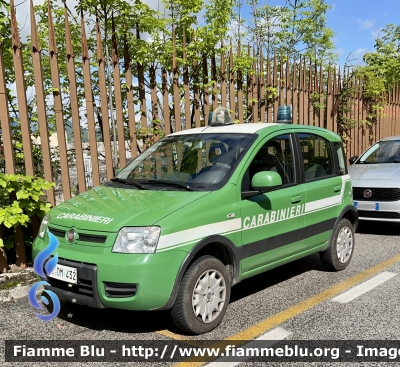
column 340, row 251
column 203, row 296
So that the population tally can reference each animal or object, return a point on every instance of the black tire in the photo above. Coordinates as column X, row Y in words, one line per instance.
column 183, row 311
column 340, row 251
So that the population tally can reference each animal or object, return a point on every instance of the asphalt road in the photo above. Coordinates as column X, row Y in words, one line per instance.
column 297, row 298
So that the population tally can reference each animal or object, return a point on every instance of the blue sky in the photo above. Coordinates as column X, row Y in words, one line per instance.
column 357, row 24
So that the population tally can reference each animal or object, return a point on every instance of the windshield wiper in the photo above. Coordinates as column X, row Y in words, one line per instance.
column 128, row 182
column 171, row 183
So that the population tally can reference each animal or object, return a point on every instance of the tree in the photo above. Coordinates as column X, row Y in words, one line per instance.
column 385, row 61
column 297, row 28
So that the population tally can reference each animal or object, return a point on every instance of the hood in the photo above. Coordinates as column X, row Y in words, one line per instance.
column 107, row 209
column 375, row 174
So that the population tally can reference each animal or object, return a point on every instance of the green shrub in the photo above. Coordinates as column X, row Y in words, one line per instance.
column 21, row 197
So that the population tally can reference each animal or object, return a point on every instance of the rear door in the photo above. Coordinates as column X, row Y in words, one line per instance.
column 324, row 188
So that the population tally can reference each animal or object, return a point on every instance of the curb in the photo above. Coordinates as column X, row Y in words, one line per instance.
column 14, row 293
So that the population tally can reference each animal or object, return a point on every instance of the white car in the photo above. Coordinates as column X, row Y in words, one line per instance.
column 376, row 181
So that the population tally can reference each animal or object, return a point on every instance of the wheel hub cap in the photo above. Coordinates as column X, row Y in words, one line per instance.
column 344, row 245
column 209, row 295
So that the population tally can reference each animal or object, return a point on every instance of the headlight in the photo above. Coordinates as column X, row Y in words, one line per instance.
column 137, row 240
column 43, row 226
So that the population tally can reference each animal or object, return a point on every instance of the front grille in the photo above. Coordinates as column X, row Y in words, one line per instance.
column 377, row 214
column 94, row 238
column 120, row 290
column 378, row 194
column 57, row 232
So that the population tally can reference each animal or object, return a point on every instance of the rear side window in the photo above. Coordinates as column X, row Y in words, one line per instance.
column 341, row 159
column 316, row 156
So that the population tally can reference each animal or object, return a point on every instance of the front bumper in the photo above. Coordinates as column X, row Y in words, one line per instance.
column 149, row 277
column 382, row 211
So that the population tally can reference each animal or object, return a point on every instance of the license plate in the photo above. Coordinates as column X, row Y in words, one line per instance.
column 65, row 273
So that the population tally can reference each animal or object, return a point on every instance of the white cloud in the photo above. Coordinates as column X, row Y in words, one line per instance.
column 339, row 51
column 359, row 53
column 365, row 24
column 376, row 33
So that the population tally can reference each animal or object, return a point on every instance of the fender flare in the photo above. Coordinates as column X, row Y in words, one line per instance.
column 346, row 209
column 235, row 252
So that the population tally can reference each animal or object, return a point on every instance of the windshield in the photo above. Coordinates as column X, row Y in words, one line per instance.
column 387, row 151
column 192, row 162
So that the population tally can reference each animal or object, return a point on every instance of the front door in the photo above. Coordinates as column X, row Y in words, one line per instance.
column 272, row 222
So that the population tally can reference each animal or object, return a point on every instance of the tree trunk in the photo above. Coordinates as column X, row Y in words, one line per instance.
column 3, row 255
column 35, row 221
column 20, row 247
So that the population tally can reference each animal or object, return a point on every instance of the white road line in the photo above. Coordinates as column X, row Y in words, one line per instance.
column 365, row 287
column 273, row 335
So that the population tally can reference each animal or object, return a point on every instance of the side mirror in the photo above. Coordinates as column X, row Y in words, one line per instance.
column 117, row 170
column 353, row 159
column 262, row 182
column 266, row 180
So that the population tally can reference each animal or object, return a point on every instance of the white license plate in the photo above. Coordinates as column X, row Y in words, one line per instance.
column 65, row 273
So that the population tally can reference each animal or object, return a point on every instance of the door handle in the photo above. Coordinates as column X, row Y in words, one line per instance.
column 296, row 199
column 337, row 188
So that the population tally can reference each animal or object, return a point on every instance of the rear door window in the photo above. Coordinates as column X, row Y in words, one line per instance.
column 316, row 155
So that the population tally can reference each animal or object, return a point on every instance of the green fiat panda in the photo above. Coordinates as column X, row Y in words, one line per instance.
column 200, row 211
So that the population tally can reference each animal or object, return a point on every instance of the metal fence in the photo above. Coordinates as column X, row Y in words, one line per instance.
column 181, row 97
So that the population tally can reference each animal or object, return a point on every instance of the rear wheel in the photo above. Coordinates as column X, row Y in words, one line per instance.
column 203, row 296
column 340, row 251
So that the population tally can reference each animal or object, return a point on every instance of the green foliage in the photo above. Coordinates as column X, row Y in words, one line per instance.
column 385, row 61
column 380, row 74
column 147, row 136
column 315, row 100
column 21, row 197
column 4, row 10
column 372, row 90
column 297, row 27
column 270, row 94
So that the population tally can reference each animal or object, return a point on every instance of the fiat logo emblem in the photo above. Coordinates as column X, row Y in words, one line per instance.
column 71, row 235
column 367, row 193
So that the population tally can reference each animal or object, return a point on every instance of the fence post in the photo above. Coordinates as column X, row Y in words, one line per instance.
column 73, row 91
column 21, row 94
column 104, row 104
column 41, row 106
column 5, row 120
column 223, row 77
column 89, row 105
column 118, row 98
column 295, row 94
column 232, row 103
column 177, row 98
column 3, row 255
column 240, row 90
column 188, row 120
column 261, row 96
column 58, row 108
